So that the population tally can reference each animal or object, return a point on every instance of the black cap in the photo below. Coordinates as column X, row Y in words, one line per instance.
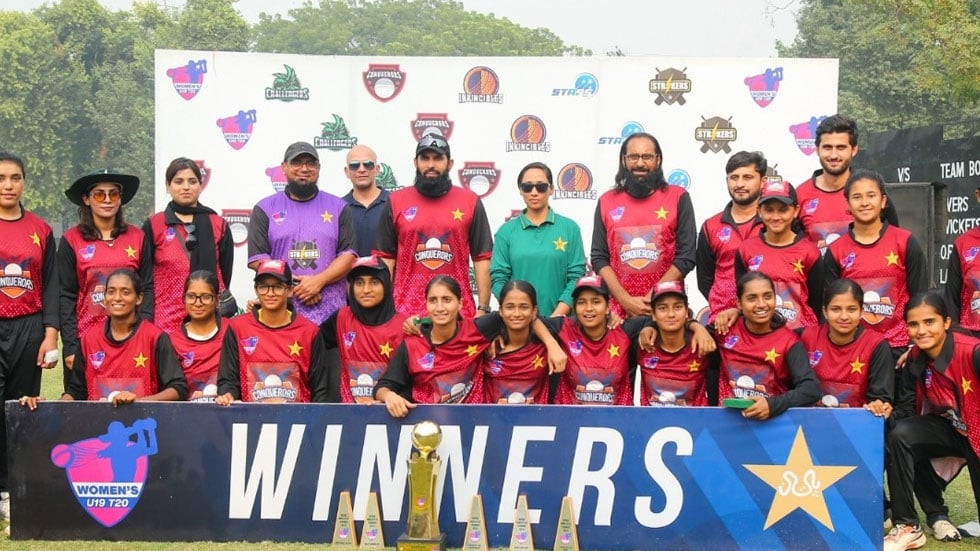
column 780, row 191
column 435, row 142
column 299, row 148
column 278, row 269
column 127, row 183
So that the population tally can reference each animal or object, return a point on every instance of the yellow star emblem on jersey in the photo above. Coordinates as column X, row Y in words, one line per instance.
column 36, row 239
column 798, row 265
column 694, row 366
column 662, row 214
column 799, row 484
column 771, row 355
column 130, row 252
column 327, row 217
column 538, row 362
column 892, row 259
column 140, row 360
column 613, row 351
column 457, row 214
column 385, row 349
column 471, row 350
column 857, row 366
column 295, row 348
column 967, row 385
column 560, row 244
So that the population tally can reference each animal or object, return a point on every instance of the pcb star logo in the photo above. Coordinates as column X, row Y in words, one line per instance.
column 130, row 252
column 457, row 214
column 613, row 351
column 662, row 214
column 471, row 350
column 560, row 244
column 892, row 259
column 771, row 355
column 327, row 217
column 967, row 385
column 140, row 360
column 857, row 366
column 799, row 484
column 36, row 239
column 798, row 265
column 694, row 366
column 385, row 349
column 295, row 348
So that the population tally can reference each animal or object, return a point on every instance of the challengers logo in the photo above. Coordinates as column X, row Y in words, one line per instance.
column 335, row 135
column 528, row 133
column 629, row 128
column 670, row 85
column 383, row 82
column 480, row 177
column 15, row 280
column 481, row 85
column 575, row 182
column 237, row 129
column 188, row 79
column 432, row 123
column 433, row 252
column 286, row 87
column 586, row 86
column 805, row 134
column 386, row 178
column 715, row 134
column 763, row 87
column 238, row 221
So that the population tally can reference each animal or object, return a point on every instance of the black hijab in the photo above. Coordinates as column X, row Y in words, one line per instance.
column 385, row 310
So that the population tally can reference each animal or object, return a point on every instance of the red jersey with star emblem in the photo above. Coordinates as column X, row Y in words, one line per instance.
column 843, row 371
column 25, row 246
column 963, row 283
column 450, row 372
column 365, row 351
column 597, row 372
column 673, row 378
column 720, row 237
column 788, row 267
column 754, row 365
column 518, row 376
column 274, row 363
column 824, row 214
column 199, row 360
column 641, row 236
column 115, row 366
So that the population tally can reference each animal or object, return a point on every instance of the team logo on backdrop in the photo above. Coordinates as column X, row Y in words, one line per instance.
column 205, row 172
column 386, row 178
column 670, row 85
column 629, row 128
column 480, row 177
column 383, row 82
column 773, row 177
column 334, row 135
column 514, row 213
column 15, row 280
column 715, row 134
column 433, row 252
column 680, row 178
column 575, row 182
column 106, row 473
column 286, row 87
column 276, row 177
column 481, row 85
column 304, row 255
column 237, row 129
column 188, row 79
column 528, row 133
column 432, row 123
column 763, row 87
column 805, row 134
column 586, row 86
column 238, row 222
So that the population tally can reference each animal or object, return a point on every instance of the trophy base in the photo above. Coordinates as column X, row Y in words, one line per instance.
column 406, row 543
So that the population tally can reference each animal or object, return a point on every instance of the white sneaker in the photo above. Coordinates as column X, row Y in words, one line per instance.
column 904, row 536
column 4, row 506
column 943, row 530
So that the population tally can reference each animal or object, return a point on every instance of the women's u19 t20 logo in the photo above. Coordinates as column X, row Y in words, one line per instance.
column 107, row 472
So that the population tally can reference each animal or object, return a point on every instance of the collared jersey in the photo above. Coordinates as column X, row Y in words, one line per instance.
column 963, row 281
column 790, row 267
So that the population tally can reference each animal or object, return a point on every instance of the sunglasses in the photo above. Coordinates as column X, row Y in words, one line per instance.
column 356, row 165
column 191, row 241
column 100, row 195
column 540, row 187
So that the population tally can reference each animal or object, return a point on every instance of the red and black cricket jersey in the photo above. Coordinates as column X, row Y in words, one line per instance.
column 518, row 376
column 130, row 365
column 27, row 253
column 273, row 363
column 597, row 372
column 449, row 372
column 365, row 351
column 948, row 385
column 964, row 279
column 720, row 237
column 673, row 378
column 824, row 214
column 199, row 360
column 754, row 365
column 789, row 267
column 844, row 371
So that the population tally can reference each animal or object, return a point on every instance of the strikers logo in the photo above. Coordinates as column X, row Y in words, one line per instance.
column 432, row 252
column 763, row 87
column 432, row 123
column 383, row 82
column 386, row 178
column 586, row 86
column 528, row 133
column 188, row 79
column 15, row 280
column 479, row 177
column 237, row 129
column 276, row 177
column 715, row 134
column 106, row 473
column 304, row 255
column 670, row 85
column 638, row 251
column 575, row 182
column 286, row 87
column 480, row 85
column 629, row 128
column 805, row 134
column 773, row 177
column 334, row 135
column 238, row 222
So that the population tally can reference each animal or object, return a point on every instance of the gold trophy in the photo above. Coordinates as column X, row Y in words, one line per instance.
column 422, row 532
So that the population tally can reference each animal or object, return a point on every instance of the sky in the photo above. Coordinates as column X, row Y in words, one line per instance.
column 691, row 28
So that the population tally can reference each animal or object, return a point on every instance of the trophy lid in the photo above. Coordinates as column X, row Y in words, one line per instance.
column 426, row 436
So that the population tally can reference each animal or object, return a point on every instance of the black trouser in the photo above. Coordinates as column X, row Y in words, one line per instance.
column 20, row 339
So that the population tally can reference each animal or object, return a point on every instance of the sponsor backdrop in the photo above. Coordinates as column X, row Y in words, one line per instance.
column 237, row 112
column 640, row 478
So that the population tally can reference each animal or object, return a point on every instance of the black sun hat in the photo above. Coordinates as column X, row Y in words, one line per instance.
column 128, row 183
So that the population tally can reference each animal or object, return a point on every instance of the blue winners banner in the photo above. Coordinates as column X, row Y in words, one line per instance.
column 639, row 478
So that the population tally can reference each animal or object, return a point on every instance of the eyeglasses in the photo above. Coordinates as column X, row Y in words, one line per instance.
column 275, row 289
column 191, row 298
column 308, row 163
column 191, row 241
column 646, row 157
column 356, row 165
column 101, row 194
column 540, row 187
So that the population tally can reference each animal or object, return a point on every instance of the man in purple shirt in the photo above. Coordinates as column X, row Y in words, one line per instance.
column 311, row 230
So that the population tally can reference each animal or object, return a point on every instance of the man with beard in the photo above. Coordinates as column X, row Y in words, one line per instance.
column 721, row 234
column 366, row 200
column 823, row 206
column 434, row 228
column 644, row 230
column 311, row 230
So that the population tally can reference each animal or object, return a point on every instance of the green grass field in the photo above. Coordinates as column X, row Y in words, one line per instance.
column 960, row 499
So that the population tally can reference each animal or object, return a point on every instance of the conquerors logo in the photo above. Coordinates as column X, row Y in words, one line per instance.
column 273, row 384
column 575, row 182
column 638, row 251
column 15, row 280
column 481, row 85
column 386, row 178
column 528, row 133
column 763, row 87
column 237, row 129
column 805, row 134
column 432, row 123
column 383, row 82
column 286, row 87
column 433, row 252
column 480, row 177
column 335, row 136
column 238, row 222
column 106, row 473
column 670, row 85
column 205, row 172
column 878, row 306
column 188, row 79
column 97, row 297
column 715, row 134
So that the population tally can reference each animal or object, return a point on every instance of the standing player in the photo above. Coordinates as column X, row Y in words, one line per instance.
column 963, row 281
